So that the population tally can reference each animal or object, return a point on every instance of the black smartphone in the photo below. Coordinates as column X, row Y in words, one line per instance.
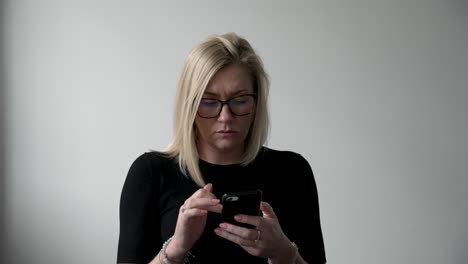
column 244, row 202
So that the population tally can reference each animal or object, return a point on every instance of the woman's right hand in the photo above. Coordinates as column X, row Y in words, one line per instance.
column 191, row 222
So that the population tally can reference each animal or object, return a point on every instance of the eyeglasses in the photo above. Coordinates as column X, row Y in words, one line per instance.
column 240, row 106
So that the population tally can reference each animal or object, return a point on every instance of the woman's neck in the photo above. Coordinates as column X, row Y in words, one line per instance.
column 220, row 157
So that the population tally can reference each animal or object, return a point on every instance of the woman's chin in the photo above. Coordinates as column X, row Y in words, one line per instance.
column 227, row 146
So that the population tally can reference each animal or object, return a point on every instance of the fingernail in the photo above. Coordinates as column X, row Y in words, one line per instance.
column 238, row 217
column 218, row 231
column 223, row 225
column 215, row 201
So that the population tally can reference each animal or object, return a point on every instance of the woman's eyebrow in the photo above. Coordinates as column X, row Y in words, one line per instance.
column 210, row 93
column 243, row 91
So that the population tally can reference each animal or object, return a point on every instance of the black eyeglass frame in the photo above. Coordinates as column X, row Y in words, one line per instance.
column 226, row 102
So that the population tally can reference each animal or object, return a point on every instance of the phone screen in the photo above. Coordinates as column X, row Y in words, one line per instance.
column 244, row 202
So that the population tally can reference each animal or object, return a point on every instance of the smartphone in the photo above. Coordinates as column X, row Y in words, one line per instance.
column 244, row 202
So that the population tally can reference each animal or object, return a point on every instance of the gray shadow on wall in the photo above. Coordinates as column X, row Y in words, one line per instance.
column 3, row 128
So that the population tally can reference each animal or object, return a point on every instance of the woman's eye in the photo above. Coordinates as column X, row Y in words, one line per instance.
column 209, row 102
column 239, row 101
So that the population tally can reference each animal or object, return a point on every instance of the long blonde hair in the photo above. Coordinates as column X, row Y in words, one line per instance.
column 202, row 63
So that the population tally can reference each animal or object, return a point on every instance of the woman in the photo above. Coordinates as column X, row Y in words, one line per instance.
column 170, row 209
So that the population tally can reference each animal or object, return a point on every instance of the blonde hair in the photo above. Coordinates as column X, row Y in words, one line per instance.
column 202, row 63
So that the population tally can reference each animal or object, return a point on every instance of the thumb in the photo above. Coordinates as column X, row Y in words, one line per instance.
column 208, row 187
column 267, row 210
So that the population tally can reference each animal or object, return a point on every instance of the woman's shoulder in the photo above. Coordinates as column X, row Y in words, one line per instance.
column 152, row 158
column 151, row 162
column 281, row 156
column 155, row 157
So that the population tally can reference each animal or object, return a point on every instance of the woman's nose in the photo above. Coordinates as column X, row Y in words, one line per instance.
column 225, row 113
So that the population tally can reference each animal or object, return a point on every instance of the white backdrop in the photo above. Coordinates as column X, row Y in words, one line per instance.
column 373, row 93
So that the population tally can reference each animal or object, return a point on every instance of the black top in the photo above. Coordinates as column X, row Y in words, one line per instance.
column 155, row 189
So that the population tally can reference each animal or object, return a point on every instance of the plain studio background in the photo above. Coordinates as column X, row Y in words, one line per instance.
column 373, row 93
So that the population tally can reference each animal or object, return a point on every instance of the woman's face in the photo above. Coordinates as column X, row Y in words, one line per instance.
column 222, row 136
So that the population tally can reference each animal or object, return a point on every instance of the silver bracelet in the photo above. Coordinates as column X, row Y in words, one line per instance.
column 165, row 260
column 296, row 253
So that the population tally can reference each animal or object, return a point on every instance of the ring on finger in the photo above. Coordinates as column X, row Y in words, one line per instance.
column 259, row 234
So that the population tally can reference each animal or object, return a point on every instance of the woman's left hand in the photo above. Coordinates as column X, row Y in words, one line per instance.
column 266, row 240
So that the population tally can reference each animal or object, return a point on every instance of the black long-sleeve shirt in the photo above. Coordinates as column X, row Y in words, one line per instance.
column 155, row 188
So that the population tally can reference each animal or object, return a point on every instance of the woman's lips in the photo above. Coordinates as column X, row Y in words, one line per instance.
column 226, row 132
